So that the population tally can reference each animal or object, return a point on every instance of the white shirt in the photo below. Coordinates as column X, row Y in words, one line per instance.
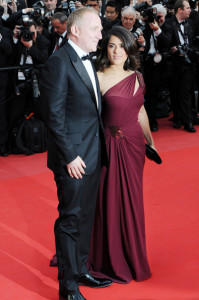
column 88, row 66
column 180, row 35
column 152, row 49
column 60, row 40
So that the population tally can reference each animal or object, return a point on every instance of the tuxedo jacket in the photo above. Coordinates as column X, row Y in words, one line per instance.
column 5, row 54
column 70, row 111
column 172, row 26
column 163, row 39
column 53, row 40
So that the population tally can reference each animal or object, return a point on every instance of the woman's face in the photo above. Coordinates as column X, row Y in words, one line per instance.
column 116, row 52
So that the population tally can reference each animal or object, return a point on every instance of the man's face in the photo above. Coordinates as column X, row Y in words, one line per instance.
column 58, row 27
column 128, row 21
column 50, row 4
column 110, row 13
column 161, row 19
column 88, row 33
column 34, row 32
column 93, row 4
column 184, row 13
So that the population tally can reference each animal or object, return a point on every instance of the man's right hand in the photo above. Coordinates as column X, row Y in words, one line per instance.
column 76, row 168
column 16, row 32
column 154, row 25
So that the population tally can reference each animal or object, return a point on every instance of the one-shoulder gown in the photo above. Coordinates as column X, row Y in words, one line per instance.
column 118, row 247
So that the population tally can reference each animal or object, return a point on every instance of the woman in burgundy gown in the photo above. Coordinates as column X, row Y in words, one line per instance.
column 118, row 248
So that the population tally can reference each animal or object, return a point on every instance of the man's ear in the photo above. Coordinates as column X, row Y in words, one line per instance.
column 75, row 30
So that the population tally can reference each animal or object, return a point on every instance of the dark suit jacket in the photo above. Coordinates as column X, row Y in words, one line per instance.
column 163, row 39
column 70, row 111
column 5, row 52
column 53, row 40
column 172, row 28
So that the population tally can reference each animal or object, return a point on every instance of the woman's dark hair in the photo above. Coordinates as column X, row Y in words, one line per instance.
column 130, row 47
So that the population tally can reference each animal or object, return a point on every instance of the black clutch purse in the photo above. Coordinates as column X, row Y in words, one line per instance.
column 153, row 155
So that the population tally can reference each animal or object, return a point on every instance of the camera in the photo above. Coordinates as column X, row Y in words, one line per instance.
column 37, row 12
column 140, row 7
column 183, row 50
column 25, row 32
column 138, row 32
column 150, row 14
column 67, row 7
column 31, row 75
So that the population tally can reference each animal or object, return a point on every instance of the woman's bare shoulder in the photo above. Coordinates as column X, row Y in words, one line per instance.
column 100, row 75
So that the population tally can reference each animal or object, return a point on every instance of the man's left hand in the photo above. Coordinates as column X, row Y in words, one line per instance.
column 141, row 40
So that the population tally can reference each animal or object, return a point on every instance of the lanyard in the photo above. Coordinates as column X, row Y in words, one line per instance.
column 184, row 35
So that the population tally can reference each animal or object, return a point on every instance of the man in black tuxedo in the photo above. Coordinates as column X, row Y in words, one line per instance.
column 59, row 36
column 155, row 62
column 182, row 38
column 72, row 106
column 32, row 52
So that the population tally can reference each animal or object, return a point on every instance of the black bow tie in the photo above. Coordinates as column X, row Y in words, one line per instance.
column 182, row 23
column 85, row 57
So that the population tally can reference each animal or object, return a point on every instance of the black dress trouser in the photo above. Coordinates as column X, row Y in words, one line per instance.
column 77, row 202
column 182, row 81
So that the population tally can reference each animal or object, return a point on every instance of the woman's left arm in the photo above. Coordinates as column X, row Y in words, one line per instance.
column 144, row 123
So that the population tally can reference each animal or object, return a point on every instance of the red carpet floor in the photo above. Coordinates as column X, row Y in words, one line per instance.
column 171, row 191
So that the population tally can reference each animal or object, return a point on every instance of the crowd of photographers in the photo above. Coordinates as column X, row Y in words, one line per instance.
column 166, row 33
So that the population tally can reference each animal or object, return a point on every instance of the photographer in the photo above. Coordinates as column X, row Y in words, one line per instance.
column 29, row 49
column 17, row 17
column 128, row 20
column 155, row 62
column 112, row 13
column 59, row 34
column 35, row 48
column 182, row 42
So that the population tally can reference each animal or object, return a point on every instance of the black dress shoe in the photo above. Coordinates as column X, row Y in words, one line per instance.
column 177, row 124
column 189, row 127
column 4, row 152
column 77, row 296
column 90, row 281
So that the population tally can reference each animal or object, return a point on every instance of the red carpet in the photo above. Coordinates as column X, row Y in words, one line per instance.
column 28, row 211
